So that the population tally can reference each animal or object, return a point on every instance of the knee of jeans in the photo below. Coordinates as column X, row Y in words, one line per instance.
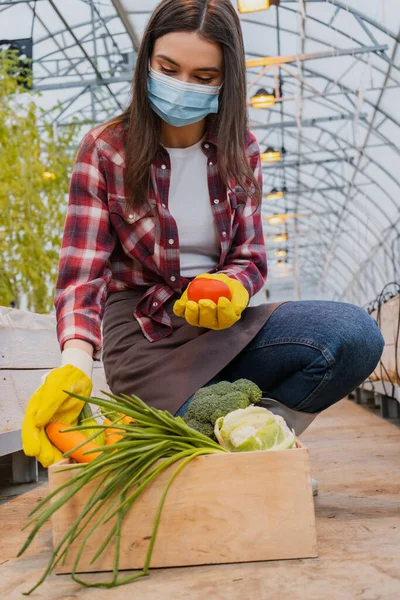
column 364, row 338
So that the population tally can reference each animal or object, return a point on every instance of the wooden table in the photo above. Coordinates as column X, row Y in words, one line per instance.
column 355, row 456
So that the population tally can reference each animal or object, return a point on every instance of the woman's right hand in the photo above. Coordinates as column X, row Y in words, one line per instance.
column 51, row 403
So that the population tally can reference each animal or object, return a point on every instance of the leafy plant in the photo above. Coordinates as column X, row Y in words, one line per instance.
column 36, row 159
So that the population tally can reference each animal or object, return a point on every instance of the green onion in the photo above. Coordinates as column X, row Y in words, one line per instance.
column 154, row 442
column 86, row 418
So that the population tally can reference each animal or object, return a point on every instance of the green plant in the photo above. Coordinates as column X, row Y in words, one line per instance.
column 36, row 159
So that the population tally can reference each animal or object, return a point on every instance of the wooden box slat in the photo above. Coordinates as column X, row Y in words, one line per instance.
column 221, row 509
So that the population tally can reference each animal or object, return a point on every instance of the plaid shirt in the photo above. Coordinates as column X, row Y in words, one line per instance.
column 108, row 247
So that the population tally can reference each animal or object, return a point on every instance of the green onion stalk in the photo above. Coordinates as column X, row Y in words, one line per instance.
column 86, row 417
column 117, row 477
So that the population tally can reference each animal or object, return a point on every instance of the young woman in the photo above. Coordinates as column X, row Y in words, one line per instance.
column 169, row 191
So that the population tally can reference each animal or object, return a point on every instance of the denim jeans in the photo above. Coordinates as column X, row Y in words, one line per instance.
column 309, row 354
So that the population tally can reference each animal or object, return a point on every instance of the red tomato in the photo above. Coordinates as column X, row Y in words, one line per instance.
column 208, row 289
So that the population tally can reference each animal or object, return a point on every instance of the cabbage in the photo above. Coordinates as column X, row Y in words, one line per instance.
column 253, row 428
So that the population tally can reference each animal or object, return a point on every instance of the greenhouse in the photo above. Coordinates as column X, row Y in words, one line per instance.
column 200, row 257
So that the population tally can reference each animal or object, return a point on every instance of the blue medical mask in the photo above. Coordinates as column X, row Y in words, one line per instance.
column 179, row 103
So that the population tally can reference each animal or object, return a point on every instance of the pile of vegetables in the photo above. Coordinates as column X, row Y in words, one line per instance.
column 131, row 447
column 215, row 401
column 76, row 444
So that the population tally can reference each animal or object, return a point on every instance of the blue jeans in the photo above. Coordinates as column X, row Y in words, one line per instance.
column 309, row 355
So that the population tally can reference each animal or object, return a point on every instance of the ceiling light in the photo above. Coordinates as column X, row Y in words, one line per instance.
column 281, row 237
column 275, row 194
column 246, row 6
column 277, row 219
column 271, row 155
column 263, row 99
column 280, row 253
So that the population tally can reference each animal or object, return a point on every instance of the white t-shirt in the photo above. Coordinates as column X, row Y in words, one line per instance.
column 189, row 204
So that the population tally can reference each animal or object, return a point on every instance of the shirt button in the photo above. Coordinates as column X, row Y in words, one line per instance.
column 163, row 167
column 173, row 278
column 206, row 145
column 224, row 233
column 164, row 205
column 216, row 201
column 210, row 164
column 155, row 304
column 171, row 241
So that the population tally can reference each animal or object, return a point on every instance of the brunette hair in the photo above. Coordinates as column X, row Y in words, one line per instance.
column 217, row 21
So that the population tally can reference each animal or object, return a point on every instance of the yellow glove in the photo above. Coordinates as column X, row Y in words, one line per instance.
column 50, row 403
column 206, row 313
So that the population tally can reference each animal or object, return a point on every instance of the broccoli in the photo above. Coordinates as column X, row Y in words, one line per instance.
column 205, row 428
column 215, row 401
column 249, row 388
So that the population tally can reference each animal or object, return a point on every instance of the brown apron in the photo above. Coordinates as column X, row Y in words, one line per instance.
column 164, row 374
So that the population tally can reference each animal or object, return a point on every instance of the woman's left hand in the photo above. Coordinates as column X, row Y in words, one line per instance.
column 207, row 313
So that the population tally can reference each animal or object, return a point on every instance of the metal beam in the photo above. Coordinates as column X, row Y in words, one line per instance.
column 61, row 49
column 365, row 265
column 364, row 244
column 387, row 171
column 123, row 15
column 11, row 2
column 77, row 41
column 83, row 83
column 60, row 62
column 333, row 244
column 359, row 209
column 295, row 164
column 317, row 74
column 368, row 32
column 343, row 142
column 314, row 190
column 347, row 8
column 308, row 122
column 268, row 61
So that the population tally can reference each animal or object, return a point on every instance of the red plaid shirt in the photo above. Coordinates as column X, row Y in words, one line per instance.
column 107, row 247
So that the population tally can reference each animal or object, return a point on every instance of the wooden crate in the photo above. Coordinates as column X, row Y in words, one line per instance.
column 224, row 508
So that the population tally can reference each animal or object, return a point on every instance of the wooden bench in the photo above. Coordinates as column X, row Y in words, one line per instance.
column 28, row 348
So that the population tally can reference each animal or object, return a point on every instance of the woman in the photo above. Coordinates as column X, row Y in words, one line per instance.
column 169, row 191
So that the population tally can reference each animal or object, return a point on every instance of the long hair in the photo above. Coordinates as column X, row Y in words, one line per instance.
column 216, row 21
